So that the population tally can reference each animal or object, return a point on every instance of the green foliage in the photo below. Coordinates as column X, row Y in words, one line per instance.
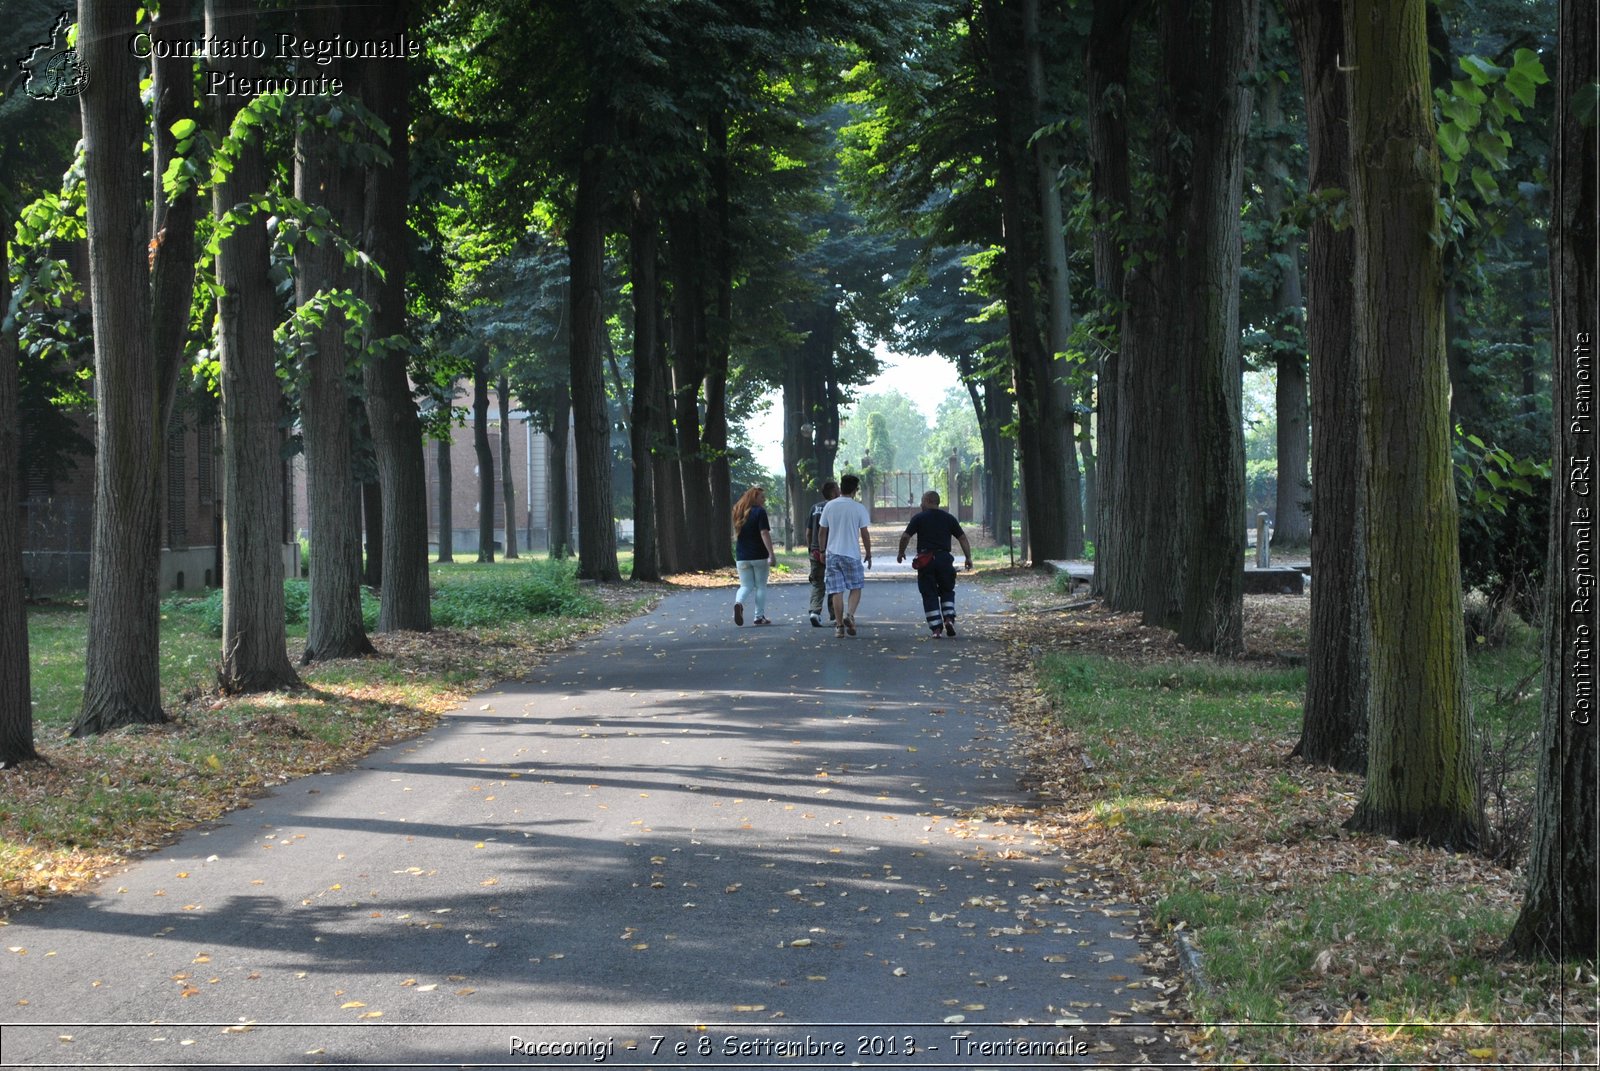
column 1475, row 118
column 1505, row 513
column 904, row 428
column 542, row 588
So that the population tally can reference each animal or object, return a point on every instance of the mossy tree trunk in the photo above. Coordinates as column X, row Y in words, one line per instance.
column 1419, row 779
column 391, row 408
column 1334, row 727
column 1559, row 914
column 334, row 626
column 141, row 273
column 255, row 654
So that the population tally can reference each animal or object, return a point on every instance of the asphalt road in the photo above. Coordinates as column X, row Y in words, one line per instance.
column 681, row 844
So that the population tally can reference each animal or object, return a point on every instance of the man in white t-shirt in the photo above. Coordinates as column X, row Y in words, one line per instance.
column 842, row 530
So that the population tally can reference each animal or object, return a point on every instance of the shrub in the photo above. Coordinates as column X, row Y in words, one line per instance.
column 541, row 589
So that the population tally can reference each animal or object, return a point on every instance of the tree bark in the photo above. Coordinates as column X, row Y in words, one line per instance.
column 480, row 447
column 597, row 533
column 335, row 628
column 122, row 683
column 1419, row 780
column 508, row 486
column 1334, row 727
column 391, row 409
column 372, row 526
column 447, row 536
column 690, row 363
column 1559, row 912
column 719, row 340
column 1116, row 568
column 1212, row 618
column 16, row 688
column 1049, row 466
column 255, row 655
column 560, row 489
column 1292, row 521
column 648, row 428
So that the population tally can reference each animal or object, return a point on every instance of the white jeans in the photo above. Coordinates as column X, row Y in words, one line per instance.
column 753, row 584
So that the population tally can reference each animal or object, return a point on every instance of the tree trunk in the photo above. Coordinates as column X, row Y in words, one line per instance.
column 560, row 490
column 1212, row 618
column 335, row 628
column 1049, row 465
column 597, row 533
column 480, row 448
column 16, row 689
column 1153, row 343
column 719, row 341
column 1419, row 780
column 122, row 683
column 1110, row 40
column 1062, row 426
column 447, row 535
column 1292, row 521
column 1334, row 729
column 648, row 428
column 372, row 525
column 689, row 367
column 391, row 408
column 1559, row 913
column 508, row 486
column 255, row 654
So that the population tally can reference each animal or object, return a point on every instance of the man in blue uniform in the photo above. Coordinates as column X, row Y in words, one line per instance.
column 936, row 576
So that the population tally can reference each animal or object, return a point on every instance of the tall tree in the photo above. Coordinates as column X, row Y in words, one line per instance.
column 1051, row 493
column 391, row 409
column 1559, row 914
column 480, row 449
column 141, row 272
column 1212, row 617
column 1118, row 568
column 254, row 641
column 323, row 177
column 1292, row 521
column 1419, row 781
column 597, row 533
column 1334, row 729
column 443, row 468
column 508, row 485
column 16, row 689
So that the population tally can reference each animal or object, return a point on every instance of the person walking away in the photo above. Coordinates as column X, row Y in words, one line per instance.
column 819, row 568
column 753, row 551
column 847, row 544
column 935, row 564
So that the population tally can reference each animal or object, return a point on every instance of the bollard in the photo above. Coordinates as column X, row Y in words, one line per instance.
column 1263, row 545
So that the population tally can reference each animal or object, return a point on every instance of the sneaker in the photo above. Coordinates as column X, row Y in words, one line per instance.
column 950, row 626
column 850, row 624
column 937, row 634
column 816, row 620
column 738, row 613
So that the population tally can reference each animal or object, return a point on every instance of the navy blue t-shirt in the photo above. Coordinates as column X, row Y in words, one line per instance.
column 934, row 529
column 751, row 547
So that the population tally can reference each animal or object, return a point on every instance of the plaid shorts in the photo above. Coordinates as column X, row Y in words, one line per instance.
column 844, row 574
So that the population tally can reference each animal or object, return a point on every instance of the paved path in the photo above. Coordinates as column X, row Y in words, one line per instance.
column 743, row 842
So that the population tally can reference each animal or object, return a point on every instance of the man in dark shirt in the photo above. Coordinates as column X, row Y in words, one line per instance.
column 830, row 491
column 936, row 581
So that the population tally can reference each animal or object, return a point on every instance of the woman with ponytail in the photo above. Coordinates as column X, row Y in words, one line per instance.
column 753, row 551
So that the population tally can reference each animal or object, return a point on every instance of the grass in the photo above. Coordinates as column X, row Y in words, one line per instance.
column 100, row 800
column 1174, row 771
